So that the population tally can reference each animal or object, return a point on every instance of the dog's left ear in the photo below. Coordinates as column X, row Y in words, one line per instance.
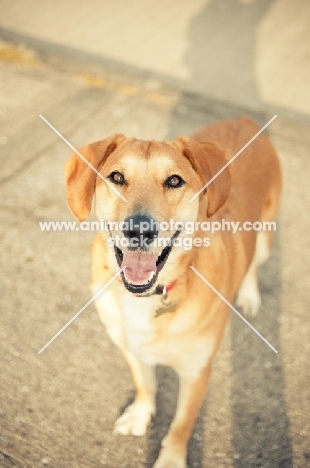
column 207, row 159
column 81, row 178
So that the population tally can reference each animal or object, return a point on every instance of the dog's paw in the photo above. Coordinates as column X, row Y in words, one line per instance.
column 135, row 419
column 248, row 299
column 169, row 459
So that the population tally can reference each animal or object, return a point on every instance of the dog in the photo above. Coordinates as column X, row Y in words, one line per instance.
column 158, row 310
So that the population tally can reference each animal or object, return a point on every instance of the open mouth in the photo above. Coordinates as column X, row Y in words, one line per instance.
column 141, row 268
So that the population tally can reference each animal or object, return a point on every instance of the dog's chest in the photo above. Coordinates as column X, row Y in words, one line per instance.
column 128, row 318
column 131, row 323
column 170, row 346
column 137, row 315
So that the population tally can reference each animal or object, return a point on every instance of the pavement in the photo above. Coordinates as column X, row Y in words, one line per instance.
column 152, row 70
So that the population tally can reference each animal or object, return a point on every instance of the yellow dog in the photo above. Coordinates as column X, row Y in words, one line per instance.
column 159, row 311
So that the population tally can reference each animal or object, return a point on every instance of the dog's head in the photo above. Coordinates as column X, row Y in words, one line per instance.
column 156, row 181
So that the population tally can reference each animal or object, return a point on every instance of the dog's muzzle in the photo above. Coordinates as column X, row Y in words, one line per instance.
column 141, row 267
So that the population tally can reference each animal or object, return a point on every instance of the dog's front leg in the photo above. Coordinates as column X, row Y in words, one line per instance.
column 191, row 396
column 137, row 416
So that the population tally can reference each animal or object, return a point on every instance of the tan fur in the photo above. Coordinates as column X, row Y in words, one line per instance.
column 188, row 338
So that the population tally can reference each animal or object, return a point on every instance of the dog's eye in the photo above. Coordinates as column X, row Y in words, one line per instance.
column 174, row 181
column 117, row 178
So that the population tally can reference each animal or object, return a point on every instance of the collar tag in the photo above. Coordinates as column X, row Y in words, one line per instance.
column 166, row 305
column 170, row 307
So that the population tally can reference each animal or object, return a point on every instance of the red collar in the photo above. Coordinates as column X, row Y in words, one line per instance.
column 160, row 289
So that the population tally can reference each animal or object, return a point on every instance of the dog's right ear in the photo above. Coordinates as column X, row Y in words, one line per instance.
column 81, row 177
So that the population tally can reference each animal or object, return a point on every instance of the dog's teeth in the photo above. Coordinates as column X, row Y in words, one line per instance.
column 151, row 275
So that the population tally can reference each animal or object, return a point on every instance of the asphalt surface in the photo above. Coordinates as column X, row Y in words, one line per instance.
column 58, row 408
column 253, row 53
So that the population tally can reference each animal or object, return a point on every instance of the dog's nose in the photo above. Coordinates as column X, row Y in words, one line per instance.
column 140, row 228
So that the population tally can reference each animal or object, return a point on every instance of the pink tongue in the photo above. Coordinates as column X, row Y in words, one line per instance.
column 139, row 266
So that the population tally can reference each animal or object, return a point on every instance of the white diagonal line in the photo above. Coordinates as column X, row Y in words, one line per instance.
column 235, row 310
column 232, row 159
column 80, row 311
column 82, row 157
